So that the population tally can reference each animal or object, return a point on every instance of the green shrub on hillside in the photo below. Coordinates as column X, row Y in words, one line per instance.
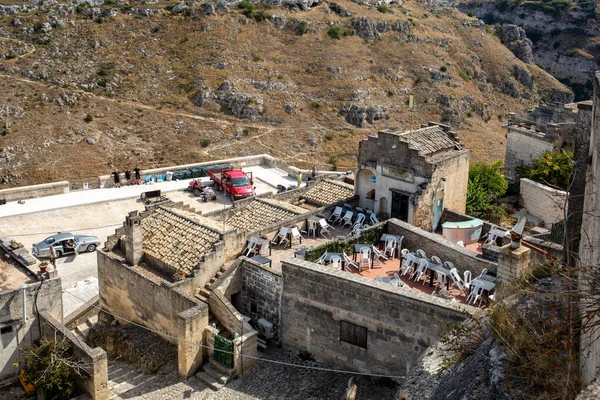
column 335, row 32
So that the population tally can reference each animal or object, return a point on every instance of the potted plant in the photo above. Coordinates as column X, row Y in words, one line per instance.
column 14, row 244
column 43, row 266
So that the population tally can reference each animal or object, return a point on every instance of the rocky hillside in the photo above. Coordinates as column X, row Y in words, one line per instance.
column 562, row 36
column 87, row 88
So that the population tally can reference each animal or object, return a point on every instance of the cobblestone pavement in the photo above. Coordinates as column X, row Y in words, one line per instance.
column 264, row 381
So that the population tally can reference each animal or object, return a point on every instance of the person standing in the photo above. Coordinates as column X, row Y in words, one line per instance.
column 136, row 171
column 117, row 178
column 299, row 178
column 128, row 176
column 52, row 256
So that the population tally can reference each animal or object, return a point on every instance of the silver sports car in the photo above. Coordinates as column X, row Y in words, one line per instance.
column 81, row 243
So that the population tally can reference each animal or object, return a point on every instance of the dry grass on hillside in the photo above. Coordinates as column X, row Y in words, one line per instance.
column 142, row 73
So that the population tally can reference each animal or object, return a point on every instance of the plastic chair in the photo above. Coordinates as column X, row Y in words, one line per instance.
column 336, row 262
column 282, row 236
column 397, row 280
column 312, row 227
column 373, row 219
column 419, row 271
column 409, row 261
column 436, row 259
column 467, row 279
column 360, row 219
column 336, row 215
column 251, row 248
column 356, row 231
column 324, row 227
column 321, row 260
column 296, row 235
column 347, row 220
column 440, row 278
column 475, row 293
column 456, row 280
column 421, row 253
column 378, row 254
column 390, row 245
column 359, row 209
column 350, row 263
column 365, row 258
column 482, row 273
column 461, row 243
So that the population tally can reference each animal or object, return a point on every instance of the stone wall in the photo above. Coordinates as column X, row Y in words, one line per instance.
column 261, row 292
column 542, row 201
column 434, row 245
column 589, row 248
column 522, row 148
column 94, row 359
column 456, row 172
column 34, row 191
column 49, row 299
column 132, row 295
column 400, row 323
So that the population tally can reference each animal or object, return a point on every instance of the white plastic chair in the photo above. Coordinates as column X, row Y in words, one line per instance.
column 482, row 273
column 461, row 243
column 347, row 220
column 348, row 262
column 312, row 227
column 378, row 279
column 324, row 227
column 456, row 280
column 409, row 261
column 369, row 212
column 336, row 262
column 282, row 236
column 336, row 215
column 296, row 235
column 377, row 254
column 467, row 279
column 494, row 234
column 419, row 271
column 358, row 209
column 436, row 259
column 390, row 245
column 440, row 278
column 397, row 281
column 404, row 252
column 321, row 260
column 365, row 258
column 475, row 293
column 251, row 246
column 373, row 219
column 360, row 219
column 356, row 231
column 421, row 253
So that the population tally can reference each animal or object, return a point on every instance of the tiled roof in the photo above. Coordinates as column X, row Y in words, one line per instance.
column 176, row 240
column 429, row 140
column 260, row 213
column 328, row 192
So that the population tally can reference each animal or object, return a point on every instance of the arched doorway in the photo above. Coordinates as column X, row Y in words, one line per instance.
column 365, row 188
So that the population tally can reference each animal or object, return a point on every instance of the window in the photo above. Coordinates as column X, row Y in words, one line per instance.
column 353, row 334
column 5, row 330
column 238, row 182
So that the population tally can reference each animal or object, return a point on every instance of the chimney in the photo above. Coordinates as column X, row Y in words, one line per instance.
column 133, row 238
column 513, row 263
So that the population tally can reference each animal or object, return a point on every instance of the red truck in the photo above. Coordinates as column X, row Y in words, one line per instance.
column 235, row 182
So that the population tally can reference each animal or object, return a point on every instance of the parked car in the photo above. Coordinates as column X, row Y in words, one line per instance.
column 81, row 243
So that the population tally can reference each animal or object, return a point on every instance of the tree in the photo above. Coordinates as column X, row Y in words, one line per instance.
column 553, row 169
column 486, row 186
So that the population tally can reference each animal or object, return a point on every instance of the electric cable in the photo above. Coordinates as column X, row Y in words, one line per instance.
column 341, row 371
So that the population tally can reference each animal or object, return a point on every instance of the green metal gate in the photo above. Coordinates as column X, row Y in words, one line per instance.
column 224, row 351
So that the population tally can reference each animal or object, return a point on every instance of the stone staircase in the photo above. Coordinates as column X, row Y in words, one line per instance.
column 215, row 375
column 124, row 378
column 83, row 329
column 204, row 293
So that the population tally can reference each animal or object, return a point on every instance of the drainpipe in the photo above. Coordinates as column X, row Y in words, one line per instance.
column 23, row 303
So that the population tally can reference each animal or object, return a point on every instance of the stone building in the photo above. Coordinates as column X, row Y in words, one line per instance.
column 148, row 274
column 413, row 175
column 547, row 128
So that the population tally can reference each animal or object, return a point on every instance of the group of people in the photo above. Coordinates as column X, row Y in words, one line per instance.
column 313, row 173
column 128, row 181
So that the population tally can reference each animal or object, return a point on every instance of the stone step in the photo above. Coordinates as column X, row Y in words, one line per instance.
column 220, row 367
column 122, row 377
column 205, row 293
column 261, row 344
column 82, row 329
column 93, row 320
column 217, row 374
column 209, row 380
column 202, row 298
column 125, row 386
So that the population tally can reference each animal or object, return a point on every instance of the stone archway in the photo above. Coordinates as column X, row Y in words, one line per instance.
column 365, row 188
